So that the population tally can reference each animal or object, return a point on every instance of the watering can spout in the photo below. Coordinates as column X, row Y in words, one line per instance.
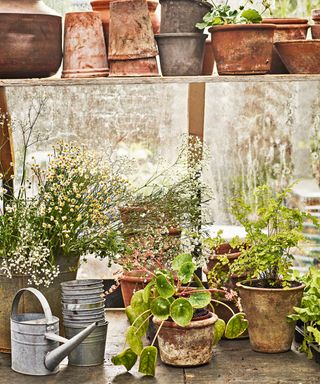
column 54, row 357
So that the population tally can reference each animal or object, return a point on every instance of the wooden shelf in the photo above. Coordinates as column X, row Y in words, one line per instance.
column 54, row 81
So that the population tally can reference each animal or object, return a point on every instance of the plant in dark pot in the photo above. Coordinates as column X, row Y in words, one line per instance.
column 186, row 330
column 241, row 44
column 308, row 315
column 270, row 294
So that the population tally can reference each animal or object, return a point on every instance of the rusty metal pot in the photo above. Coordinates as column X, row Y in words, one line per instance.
column 186, row 346
column 243, row 48
column 31, row 39
column 266, row 310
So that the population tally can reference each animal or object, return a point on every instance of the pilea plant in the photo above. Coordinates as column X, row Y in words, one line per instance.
column 170, row 296
column 309, row 312
column 221, row 14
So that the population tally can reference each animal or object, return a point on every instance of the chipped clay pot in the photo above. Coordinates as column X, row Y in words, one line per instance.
column 131, row 282
column 266, row 310
column 243, row 48
column 186, row 346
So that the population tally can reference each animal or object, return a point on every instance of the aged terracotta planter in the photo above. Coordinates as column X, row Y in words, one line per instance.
column 186, row 346
column 315, row 31
column 315, row 14
column 300, row 56
column 9, row 287
column 155, row 19
column 85, row 52
column 132, row 281
column 243, row 48
column 208, row 59
column 266, row 310
column 181, row 16
column 136, row 67
column 287, row 29
column 31, row 39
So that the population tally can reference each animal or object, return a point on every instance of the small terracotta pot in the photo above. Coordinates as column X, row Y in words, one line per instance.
column 155, row 19
column 243, row 48
column 315, row 14
column 287, row 29
column 84, row 46
column 300, row 56
column 186, row 346
column 131, row 282
column 208, row 60
column 315, row 31
column 266, row 310
column 136, row 67
column 103, row 8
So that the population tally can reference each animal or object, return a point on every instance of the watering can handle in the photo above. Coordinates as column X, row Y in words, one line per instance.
column 43, row 301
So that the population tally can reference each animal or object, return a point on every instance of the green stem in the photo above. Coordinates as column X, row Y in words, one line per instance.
column 224, row 304
column 141, row 325
column 156, row 335
column 143, row 313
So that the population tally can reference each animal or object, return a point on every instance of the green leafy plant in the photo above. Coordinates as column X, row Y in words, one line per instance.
column 222, row 14
column 309, row 312
column 169, row 296
column 273, row 229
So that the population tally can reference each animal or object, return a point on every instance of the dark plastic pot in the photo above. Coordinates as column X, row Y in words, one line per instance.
column 181, row 54
column 178, row 16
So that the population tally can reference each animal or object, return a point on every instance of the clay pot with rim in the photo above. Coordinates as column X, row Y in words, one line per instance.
column 186, row 346
column 131, row 282
column 242, row 48
column 266, row 310
column 315, row 15
column 31, row 39
column 287, row 29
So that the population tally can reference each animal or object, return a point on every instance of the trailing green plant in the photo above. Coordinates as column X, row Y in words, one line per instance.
column 272, row 230
column 223, row 13
column 169, row 296
column 309, row 311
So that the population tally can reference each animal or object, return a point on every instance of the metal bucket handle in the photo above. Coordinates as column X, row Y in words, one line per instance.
column 43, row 301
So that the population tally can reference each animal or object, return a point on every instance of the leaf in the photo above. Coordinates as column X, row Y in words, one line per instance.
column 185, row 273
column 201, row 25
column 127, row 358
column 139, row 321
column 181, row 312
column 164, row 288
column 137, row 302
column 131, row 314
column 148, row 361
column 316, row 334
column 147, row 291
column 200, row 299
column 219, row 328
column 179, row 260
column 252, row 16
column 160, row 308
column 236, row 326
column 134, row 341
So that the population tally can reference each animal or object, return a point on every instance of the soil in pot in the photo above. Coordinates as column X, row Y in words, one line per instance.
column 132, row 281
column 243, row 48
column 267, row 310
column 181, row 54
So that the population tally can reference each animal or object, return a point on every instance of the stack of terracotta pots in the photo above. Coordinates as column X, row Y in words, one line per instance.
column 181, row 45
column 315, row 29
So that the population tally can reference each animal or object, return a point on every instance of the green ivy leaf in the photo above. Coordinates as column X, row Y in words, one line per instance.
column 219, row 328
column 134, row 341
column 127, row 358
column 137, row 302
column 200, row 299
column 252, row 16
column 236, row 326
column 148, row 361
column 160, row 308
column 164, row 288
column 179, row 260
column 181, row 312
column 185, row 273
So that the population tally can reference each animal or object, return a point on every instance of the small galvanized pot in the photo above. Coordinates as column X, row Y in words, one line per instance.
column 266, row 310
column 186, row 346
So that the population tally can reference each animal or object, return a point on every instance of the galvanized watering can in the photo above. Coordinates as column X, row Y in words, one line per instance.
column 35, row 339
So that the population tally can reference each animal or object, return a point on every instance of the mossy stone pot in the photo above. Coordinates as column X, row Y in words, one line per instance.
column 266, row 310
column 186, row 346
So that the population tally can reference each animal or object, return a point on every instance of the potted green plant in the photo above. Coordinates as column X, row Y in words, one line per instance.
column 241, row 43
column 308, row 315
column 186, row 330
column 270, row 293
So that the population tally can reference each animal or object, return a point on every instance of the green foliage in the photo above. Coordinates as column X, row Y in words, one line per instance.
column 170, row 297
column 222, row 14
column 295, row 8
column 236, row 326
column 309, row 312
column 127, row 358
column 273, row 229
column 219, row 329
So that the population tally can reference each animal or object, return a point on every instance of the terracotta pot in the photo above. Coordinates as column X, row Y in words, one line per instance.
column 300, row 56
column 155, row 19
column 267, row 310
column 315, row 14
column 132, row 281
column 315, row 31
column 243, row 48
column 31, row 39
column 136, row 67
column 84, row 46
column 9, row 287
column 181, row 16
column 186, row 346
column 103, row 8
column 287, row 29
column 181, row 54
column 208, row 60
